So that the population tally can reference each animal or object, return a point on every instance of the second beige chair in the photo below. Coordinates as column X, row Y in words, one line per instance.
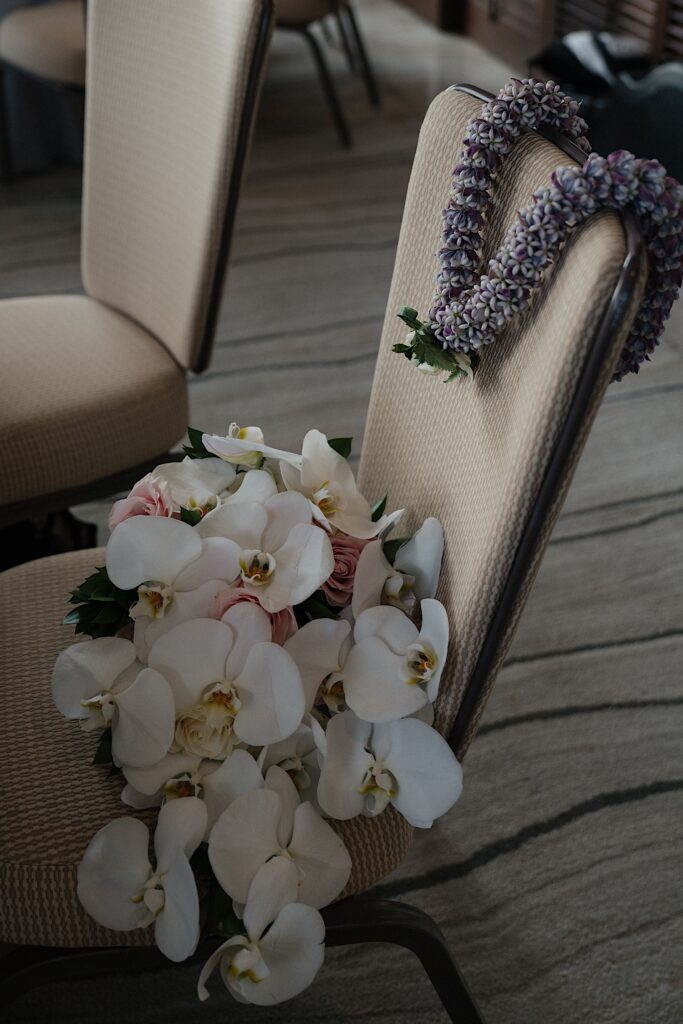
column 93, row 389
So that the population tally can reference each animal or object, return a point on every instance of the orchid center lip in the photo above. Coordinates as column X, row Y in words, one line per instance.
column 257, row 567
column 325, row 500
column 419, row 664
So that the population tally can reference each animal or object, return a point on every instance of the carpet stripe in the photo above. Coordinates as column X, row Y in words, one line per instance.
column 510, row 844
column 525, row 659
column 576, row 709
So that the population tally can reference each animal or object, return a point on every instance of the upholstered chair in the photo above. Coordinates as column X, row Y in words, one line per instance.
column 93, row 389
column 46, row 41
column 300, row 16
column 492, row 459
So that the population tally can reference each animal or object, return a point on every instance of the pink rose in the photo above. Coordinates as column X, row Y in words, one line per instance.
column 338, row 588
column 149, row 497
column 283, row 623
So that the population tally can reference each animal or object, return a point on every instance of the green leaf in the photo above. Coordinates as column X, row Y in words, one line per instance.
column 341, row 445
column 102, row 608
column 378, row 509
column 391, row 547
column 314, row 607
column 195, row 449
column 407, row 350
column 72, row 617
column 103, row 754
column 192, row 516
column 109, row 614
column 410, row 317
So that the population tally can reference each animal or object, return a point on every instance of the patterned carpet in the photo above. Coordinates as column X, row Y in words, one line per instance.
column 558, row 876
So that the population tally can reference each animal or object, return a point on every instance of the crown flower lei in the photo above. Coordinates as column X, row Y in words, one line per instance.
column 262, row 662
column 473, row 304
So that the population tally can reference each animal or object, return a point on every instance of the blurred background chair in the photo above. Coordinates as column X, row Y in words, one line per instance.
column 515, row 434
column 93, row 389
column 301, row 16
column 47, row 42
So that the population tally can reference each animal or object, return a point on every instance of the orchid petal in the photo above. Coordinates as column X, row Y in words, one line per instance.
column 250, row 626
column 219, row 560
column 285, row 511
column 320, row 462
column 257, row 485
column 244, row 838
column 232, row 446
column 373, row 685
column 427, row 773
column 213, row 961
column 242, row 522
column 421, row 558
column 176, row 931
column 294, row 951
column 139, row 801
column 85, row 669
column 144, row 724
column 150, row 780
column 191, row 656
column 280, row 783
column 344, row 767
column 112, row 873
column 316, row 649
column 372, row 572
column 272, row 696
column 275, row 885
column 145, row 548
column 361, row 526
column 186, row 605
column 304, row 562
column 389, row 624
column 434, row 633
column 238, row 774
column 320, row 856
column 180, row 829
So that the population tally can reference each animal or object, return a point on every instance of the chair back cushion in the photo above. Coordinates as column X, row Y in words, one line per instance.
column 167, row 82
column 474, row 454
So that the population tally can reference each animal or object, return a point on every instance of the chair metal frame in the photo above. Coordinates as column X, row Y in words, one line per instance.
column 57, row 501
column 365, row 918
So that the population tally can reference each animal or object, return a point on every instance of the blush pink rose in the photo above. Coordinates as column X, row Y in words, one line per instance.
column 149, row 497
column 338, row 588
column 283, row 623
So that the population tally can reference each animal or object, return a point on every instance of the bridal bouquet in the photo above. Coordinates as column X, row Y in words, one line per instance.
column 262, row 662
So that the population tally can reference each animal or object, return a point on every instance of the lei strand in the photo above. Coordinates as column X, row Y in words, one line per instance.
column 471, row 308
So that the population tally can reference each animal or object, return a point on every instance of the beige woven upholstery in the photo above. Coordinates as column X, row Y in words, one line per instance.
column 92, row 387
column 166, row 84
column 57, row 800
column 47, row 40
column 473, row 454
column 303, row 11
column 102, row 393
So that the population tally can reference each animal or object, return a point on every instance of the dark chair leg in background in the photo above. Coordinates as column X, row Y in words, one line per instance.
column 346, row 12
column 365, row 919
column 345, row 41
column 5, row 145
column 328, row 87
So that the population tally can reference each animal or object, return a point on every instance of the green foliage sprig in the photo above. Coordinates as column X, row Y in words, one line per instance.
column 102, row 609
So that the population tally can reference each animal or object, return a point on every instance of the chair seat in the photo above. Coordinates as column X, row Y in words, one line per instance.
column 53, row 799
column 85, row 393
column 47, row 40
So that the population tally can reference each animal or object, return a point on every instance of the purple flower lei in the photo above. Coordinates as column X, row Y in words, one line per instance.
column 471, row 308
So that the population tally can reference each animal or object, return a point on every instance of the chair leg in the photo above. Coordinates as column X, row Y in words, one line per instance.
column 6, row 170
column 345, row 40
column 328, row 87
column 366, row 919
column 372, row 89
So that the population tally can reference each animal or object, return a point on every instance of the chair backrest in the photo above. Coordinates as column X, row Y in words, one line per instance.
column 172, row 87
column 492, row 458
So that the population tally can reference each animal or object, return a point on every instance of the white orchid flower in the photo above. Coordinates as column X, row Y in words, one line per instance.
column 229, row 683
column 101, row 683
column 413, row 577
column 269, row 968
column 120, row 889
column 272, row 823
column 297, row 756
column 237, row 449
column 405, row 763
column 195, row 483
column 176, row 572
column 327, row 480
column 177, row 776
column 254, row 485
column 319, row 649
column 283, row 556
column 393, row 670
